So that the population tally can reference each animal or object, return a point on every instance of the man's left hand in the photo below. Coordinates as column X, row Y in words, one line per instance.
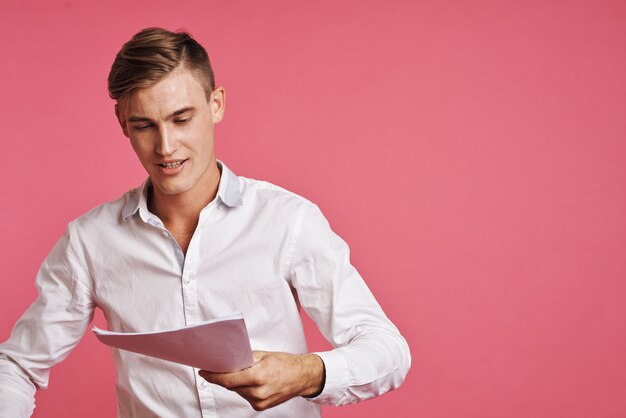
column 273, row 379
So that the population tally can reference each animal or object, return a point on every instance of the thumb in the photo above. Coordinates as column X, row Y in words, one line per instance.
column 206, row 375
column 259, row 355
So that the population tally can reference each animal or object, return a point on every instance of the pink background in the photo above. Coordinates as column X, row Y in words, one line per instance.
column 471, row 152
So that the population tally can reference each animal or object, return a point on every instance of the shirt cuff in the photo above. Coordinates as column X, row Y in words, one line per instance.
column 337, row 378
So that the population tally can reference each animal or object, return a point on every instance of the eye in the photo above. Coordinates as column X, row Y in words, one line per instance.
column 141, row 127
column 181, row 121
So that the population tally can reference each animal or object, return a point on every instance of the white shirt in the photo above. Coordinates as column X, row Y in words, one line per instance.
column 258, row 249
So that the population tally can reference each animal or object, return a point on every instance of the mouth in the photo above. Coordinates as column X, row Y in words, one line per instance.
column 172, row 164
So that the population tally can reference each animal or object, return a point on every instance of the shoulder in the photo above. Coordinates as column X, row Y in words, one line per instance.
column 273, row 206
column 104, row 215
column 261, row 192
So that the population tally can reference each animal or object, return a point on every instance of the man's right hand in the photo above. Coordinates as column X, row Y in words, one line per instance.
column 274, row 378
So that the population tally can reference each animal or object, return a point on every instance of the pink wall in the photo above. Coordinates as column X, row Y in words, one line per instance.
column 471, row 152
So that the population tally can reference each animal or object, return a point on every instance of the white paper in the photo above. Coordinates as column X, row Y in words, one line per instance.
column 219, row 345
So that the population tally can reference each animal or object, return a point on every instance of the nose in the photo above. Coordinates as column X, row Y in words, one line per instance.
column 166, row 144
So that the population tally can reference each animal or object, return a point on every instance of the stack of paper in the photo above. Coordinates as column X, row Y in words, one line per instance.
column 220, row 345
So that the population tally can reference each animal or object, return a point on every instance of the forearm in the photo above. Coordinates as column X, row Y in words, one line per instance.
column 17, row 392
column 373, row 363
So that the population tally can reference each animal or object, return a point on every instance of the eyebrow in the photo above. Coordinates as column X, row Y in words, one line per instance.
column 173, row 115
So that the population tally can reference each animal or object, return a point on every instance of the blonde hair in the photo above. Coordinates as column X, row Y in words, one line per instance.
column 153, row 53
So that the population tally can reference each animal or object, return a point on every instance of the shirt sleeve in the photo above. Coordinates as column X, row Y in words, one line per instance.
column 47, row 332
column 370, row 357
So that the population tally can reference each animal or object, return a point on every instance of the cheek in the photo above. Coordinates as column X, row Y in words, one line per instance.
column 141, row 149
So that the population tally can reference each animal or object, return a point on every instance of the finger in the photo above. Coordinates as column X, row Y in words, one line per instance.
column 259, row 355
column 209, row 377
column 260, row 398
column 229, row 381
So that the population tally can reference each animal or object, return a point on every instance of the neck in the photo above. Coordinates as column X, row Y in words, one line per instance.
column 181, row 211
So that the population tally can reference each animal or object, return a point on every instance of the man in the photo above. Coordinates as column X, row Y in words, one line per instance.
column 197, row 242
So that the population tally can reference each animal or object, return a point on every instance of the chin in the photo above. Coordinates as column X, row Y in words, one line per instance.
column 173, row 191
column 170, row 189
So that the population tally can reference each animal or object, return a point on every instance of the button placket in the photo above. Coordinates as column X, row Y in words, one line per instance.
column 189, row 285
column 205, row 395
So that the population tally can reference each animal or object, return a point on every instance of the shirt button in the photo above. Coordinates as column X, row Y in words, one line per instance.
column 165, row 233
column 204, row 384
column 186, row 280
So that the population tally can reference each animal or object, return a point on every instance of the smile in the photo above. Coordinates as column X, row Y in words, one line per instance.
column 173, row 164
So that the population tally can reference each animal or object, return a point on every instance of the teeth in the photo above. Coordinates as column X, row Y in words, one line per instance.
column 171, row 165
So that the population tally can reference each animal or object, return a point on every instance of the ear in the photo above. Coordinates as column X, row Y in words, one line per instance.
column 121, row 119
column 218, row 104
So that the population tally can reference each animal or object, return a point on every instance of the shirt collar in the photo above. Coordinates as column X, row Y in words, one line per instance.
column 228, row 192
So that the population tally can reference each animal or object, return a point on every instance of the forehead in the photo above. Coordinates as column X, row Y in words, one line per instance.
column 177, row 90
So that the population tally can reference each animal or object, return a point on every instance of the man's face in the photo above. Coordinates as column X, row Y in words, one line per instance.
column 170, row 126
